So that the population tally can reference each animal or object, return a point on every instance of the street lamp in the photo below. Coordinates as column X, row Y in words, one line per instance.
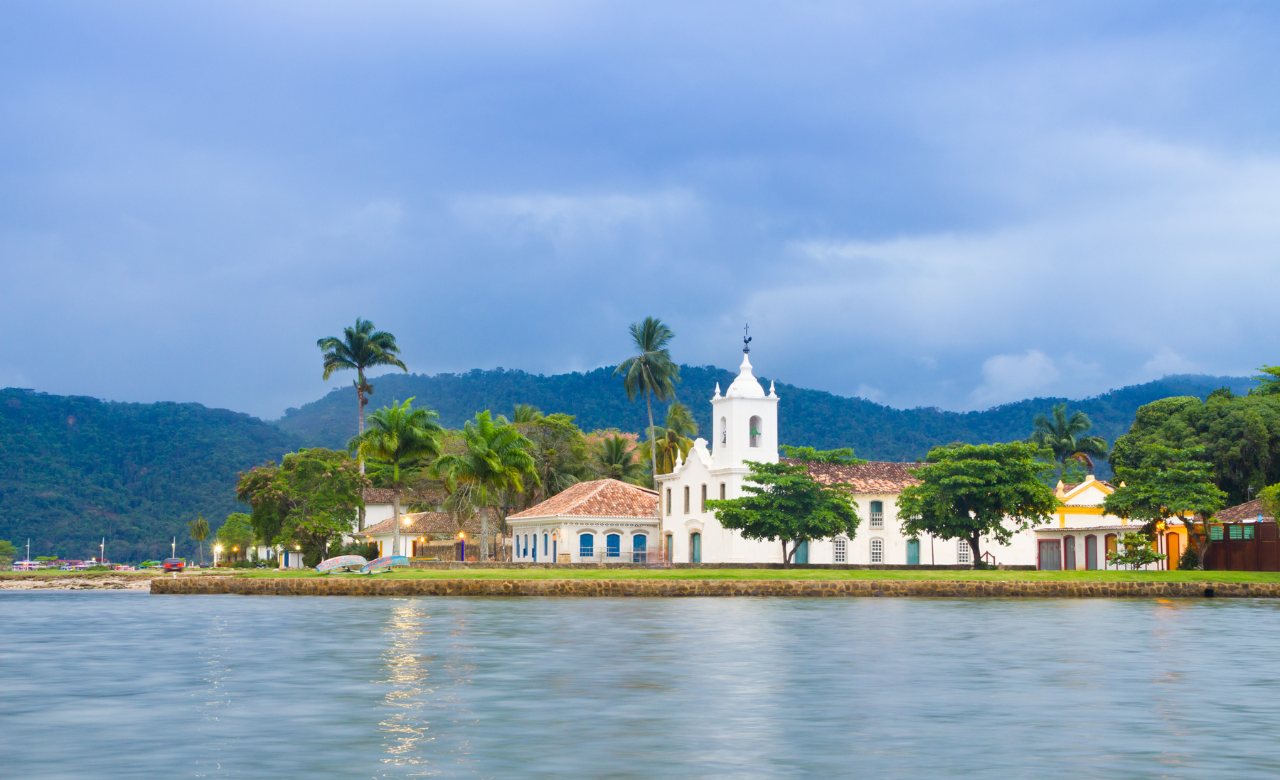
column 462, row 546
column 217, row 549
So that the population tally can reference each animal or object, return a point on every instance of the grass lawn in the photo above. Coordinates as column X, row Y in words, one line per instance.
column 795, row 574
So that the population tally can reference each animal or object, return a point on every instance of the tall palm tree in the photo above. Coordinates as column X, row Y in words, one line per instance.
column 396, row 434
column 199, row 529
column 1065, row 436
column 616, row 459
column 360, row 348
column 495, row 460
column 673, row 438
column 651, row 373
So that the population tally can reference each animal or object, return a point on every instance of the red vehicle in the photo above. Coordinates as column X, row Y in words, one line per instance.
column 174, row 564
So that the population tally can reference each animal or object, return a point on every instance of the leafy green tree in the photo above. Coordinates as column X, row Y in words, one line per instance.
column 1067, row 437
column 236, row 535
column 968, row 491
column 360, row 348
column 7, row 553
column 651, row 373
column 674, row 439
column 561, row 455
column 494, row 462
column 199, row 530
column 399, row 433
column 1240, row 437
column 1270, row 497
column 616, row 459
column 841, row 457
column 1268, row 383
column 1168, row 483
column 1135, row 551
column 784, row 503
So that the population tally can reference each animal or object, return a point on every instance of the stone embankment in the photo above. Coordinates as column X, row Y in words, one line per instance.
column 372, row 586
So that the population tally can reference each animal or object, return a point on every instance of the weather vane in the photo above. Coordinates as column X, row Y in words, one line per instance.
column 746, row 338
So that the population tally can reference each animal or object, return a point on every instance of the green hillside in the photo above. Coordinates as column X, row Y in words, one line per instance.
column 78, row 469
column 806, row 417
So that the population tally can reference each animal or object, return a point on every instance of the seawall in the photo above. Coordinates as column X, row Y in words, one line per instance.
column 320, row 586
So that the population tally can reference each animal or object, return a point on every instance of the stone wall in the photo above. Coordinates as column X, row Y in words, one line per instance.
column 451, row 564
column 373, row 586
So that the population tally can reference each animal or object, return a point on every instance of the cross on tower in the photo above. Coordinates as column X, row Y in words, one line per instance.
column 746, row 339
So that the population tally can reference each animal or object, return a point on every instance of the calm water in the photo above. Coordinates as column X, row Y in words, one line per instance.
column 109, row 684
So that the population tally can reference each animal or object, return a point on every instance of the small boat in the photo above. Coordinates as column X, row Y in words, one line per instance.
column 386, row 563
column 343, row 562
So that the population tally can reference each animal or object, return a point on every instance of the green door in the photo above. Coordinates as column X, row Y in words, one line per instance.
column 913, row 552
column 695, row 548
column 801, row 554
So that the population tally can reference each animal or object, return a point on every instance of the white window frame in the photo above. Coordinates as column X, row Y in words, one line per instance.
column 963, row 553
column 877, row 550
column 839, row 551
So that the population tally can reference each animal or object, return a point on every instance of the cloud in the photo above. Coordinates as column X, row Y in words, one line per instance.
column 1013, row 377
column 1166, row 361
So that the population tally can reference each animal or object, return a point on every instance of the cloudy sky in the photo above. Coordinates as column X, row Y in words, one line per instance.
column 939, row 203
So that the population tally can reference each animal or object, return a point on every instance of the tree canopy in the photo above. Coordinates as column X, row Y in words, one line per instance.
column 968, row 491
column 1268, row 382
column 784, row 503
column 1238, row 438
column 1067, row 437
column 841, row 457
column 310, row 499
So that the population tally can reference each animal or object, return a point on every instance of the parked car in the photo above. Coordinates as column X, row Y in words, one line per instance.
column 174, row 564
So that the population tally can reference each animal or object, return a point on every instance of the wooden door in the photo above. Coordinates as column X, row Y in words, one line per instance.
column 1173, row 544
column 1091, row 553
column 1069, row 553
column 1050, row 555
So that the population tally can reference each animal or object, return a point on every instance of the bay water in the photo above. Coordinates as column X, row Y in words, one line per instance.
column 107, row 684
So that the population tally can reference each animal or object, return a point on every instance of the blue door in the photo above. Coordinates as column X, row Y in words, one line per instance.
column 535, row 548
column 801, row 554
column 913, row 552
column 639, row 549
column 613, row 546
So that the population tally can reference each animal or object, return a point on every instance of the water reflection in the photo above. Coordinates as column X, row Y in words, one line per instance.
column 123, row 685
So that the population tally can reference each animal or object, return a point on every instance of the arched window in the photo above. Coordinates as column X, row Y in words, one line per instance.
column 754, row 432
column 724, row 431
column 962, row 551
column 686, row 499
column 535, row 548
column 526, row 545
column 840, row 551
column 545, row 540
column 668, row 501
column 877, row 551
column 639, row 549
column 721, row 491
column 704, row 499
column 586, row 546
column 877, row 514
column 695, row 547
column 613, row 546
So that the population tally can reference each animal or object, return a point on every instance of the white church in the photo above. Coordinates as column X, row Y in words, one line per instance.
column 605, row 521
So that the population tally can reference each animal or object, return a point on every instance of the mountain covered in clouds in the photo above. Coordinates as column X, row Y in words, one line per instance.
column 805, row 417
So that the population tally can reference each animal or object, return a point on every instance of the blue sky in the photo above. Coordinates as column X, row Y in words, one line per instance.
column 923, row 203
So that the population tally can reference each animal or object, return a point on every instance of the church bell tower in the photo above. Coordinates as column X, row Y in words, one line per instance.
column 744, row 419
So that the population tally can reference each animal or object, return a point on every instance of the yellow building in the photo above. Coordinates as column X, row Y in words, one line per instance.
column 1084, row 533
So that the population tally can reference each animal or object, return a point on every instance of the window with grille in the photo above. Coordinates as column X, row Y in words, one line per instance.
column 877, row 514
column 877, row 551
column 1215, row 533
column 962, row 551
column 668, row 500
column 704, row 499
column 1237, row 531
column 841, row 551
column 686, row 499
column 1248, row 532
column 721, row 491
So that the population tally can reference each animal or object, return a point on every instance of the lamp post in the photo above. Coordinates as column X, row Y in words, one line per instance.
column 102, row 551
column 217, row 549
column 462, row 546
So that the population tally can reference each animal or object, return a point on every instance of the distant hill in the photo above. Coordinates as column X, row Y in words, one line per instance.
column 78, row 469
column 806, row 417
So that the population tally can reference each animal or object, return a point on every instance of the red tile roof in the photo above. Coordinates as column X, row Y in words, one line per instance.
column 426, row 523
column 598, row 498
column 1246, row 511
column 385, row 496
column 870, row 478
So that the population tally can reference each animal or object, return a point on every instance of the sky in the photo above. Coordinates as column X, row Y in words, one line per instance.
column 952, row 204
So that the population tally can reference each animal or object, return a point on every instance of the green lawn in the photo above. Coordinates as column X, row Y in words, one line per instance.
column 796, row 574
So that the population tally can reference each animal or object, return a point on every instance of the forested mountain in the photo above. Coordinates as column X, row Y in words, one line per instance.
column 805, row 417
column 77, row 469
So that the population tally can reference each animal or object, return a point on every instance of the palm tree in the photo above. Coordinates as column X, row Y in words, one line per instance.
column 396, row 434
column 495, row 460
column 675, row 437
column 1065, row 436
column 616, row 459
column 199, row 529
column 359, row 348
column 651, row 373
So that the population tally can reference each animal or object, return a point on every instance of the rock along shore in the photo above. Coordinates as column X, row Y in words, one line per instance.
column 104, row 581
column 372, row 586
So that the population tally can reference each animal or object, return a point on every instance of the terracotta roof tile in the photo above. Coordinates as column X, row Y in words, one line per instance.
column 426, row 523
column 869, row 478
column 1246, row 511
column 385, row 496
column 598, row 498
